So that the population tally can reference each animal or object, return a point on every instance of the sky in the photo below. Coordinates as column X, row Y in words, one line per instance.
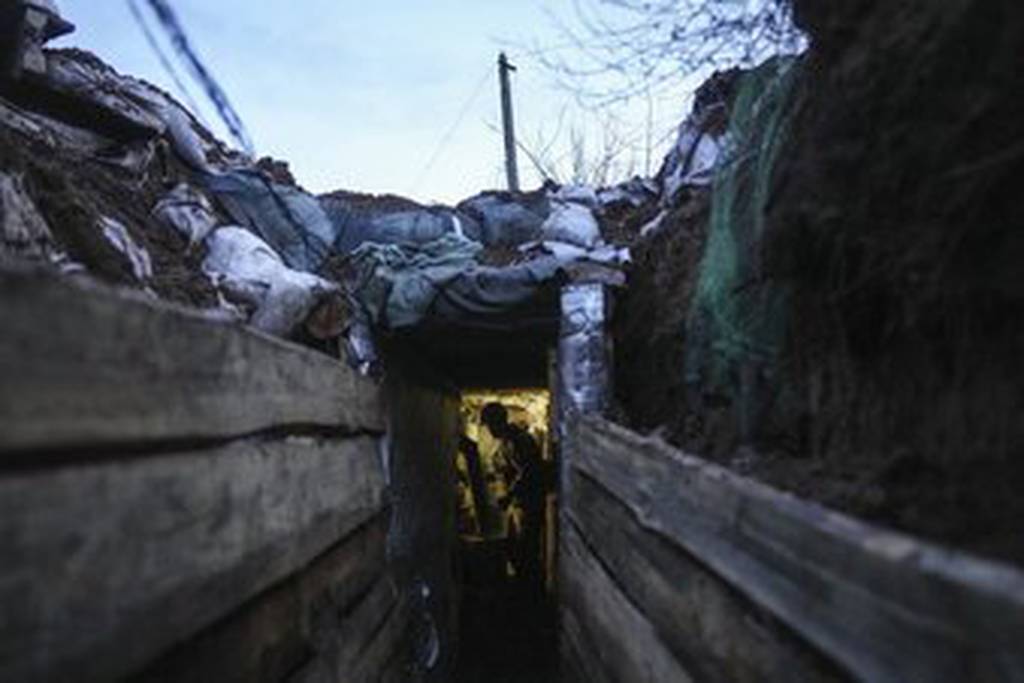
column 397, row 96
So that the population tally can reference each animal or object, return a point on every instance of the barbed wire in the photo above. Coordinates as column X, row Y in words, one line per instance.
column 169, row 20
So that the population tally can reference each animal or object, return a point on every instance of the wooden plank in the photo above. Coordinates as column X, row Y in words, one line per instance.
column 614, row 642
column 578, row 665
column 712, row 629
column 283, row 629
column 387, row 649
column 368, row 639
column 886, row 607
column 85, row 365
column 108, row 565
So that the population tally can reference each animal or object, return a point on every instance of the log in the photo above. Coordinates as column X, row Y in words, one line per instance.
column 85, row 365
column 106, row 566
column 285, row 628
column 368, row 640
column 611, row 639
column 883, row 606
column 709, row 627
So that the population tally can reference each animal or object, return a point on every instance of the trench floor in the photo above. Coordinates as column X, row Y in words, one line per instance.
column 507, row 632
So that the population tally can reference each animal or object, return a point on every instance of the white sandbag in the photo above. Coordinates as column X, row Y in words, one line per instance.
column 138, row 257
column 572, row 223
column 248, row 270
column 577, row 194
column 187, row 211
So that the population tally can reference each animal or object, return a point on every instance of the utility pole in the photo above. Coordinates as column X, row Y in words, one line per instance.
column 511, row 167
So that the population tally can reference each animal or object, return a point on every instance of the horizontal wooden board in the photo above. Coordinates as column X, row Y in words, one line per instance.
column 105, row 566
column 367, row 641
column 289, row 626
column 85, row 365
column 610, row 639
column 884, row 606
column 716, row 633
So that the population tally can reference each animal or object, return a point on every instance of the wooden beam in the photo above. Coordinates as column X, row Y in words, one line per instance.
column 617, row 641
column 709, row 627
column 884, row 606
column 84, row 365
column 106, row 566
column 285, row 628
column 367, row 643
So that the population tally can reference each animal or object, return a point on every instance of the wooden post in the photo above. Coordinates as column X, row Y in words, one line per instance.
column 511, row 167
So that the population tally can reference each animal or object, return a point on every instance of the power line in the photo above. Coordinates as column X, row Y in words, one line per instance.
column 216, row 94
column 447, row 138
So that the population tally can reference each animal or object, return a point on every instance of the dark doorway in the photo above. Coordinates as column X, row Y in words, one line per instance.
column 506, row 551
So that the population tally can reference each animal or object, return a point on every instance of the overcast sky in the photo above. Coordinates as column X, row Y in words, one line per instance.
column 361, row 94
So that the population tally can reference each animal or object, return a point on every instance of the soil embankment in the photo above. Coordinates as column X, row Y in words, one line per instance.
column 887, row 250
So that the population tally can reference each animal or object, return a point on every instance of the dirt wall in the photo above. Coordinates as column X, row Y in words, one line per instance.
column 892, row 226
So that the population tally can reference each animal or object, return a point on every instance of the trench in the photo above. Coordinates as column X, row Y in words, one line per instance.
column 502, row 608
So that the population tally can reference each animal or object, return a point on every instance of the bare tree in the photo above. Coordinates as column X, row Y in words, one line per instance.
column 613, row 50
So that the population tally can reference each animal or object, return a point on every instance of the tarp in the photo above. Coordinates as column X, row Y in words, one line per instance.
column 398, row 286
column 357, row 222
column 291, row 221
column 505, row 218
column 395, row 284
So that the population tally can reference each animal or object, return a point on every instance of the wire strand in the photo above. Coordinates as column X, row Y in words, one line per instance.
column 447, row 138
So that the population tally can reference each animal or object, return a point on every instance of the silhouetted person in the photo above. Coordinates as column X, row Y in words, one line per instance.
column 527, row 490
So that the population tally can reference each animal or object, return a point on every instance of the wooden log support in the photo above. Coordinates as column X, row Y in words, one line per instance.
column 609, row 638
column 293, row 626
column 709, row 627
column 108, row 565
column 882, row 606
column 88, row 365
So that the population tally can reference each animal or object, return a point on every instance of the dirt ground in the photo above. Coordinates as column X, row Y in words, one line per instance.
column 72, row 193
column 894, row 226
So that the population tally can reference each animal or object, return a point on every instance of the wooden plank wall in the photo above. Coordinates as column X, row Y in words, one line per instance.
column 673, row 569
column 182, row 499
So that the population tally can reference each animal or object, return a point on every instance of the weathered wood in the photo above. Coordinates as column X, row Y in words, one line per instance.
column 578, row 665
column 287, row 627
column 884, row 606
column 83, row 365
column 716, row 633
column 612, row 639
column 388, row 646
column 105, row 566
column 368, row 638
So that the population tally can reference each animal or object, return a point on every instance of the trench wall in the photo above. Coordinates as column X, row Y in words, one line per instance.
column 674, row 569
column 184, row 499
column 422, row 439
